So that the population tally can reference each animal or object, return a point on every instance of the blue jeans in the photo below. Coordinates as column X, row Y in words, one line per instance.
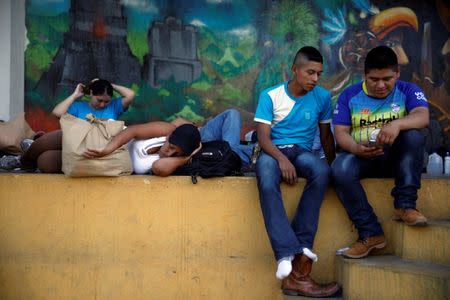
column 289, row 239
column 403, row 161
column 317, row 148
column 226, row 126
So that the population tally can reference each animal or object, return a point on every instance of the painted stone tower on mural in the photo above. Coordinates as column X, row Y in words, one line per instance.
column 173, row 53
column 95, row 46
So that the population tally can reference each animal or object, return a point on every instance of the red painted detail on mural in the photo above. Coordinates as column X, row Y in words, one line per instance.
column 99, row 28
column 40, row 120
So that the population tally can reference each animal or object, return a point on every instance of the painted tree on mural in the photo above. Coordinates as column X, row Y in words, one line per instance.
column 241, row 48
column 291, row 25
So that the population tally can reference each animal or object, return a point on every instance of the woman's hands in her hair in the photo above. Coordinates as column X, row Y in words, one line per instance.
column 79, row 90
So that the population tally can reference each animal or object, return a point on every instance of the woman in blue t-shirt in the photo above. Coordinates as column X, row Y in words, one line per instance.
column 101, row 103
column 45, row 152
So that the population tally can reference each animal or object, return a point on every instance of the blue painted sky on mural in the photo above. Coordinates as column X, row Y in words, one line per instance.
column 215, row 14
column 47, row 7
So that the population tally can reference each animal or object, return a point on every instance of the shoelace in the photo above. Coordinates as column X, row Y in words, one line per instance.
column 363, row 241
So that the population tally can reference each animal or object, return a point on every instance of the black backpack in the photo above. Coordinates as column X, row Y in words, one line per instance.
column 215, row 159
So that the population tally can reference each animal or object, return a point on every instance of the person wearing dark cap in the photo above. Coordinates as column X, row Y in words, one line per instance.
column 156, row 147
column 186, row 137
column 160, row 147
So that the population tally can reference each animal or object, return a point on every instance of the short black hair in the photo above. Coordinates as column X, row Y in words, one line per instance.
column 381, row 57
column 308, row 53
column 101, row 87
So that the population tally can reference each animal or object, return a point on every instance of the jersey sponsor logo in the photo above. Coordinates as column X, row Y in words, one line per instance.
column 376, row 122
column 420, row 96
column 307, row 115
column 395, row 107
column 336, row 109
column 365, row 111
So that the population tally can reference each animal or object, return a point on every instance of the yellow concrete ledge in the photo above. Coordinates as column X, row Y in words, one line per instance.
column 144, row 237
column 389, row 277
column 429, row 243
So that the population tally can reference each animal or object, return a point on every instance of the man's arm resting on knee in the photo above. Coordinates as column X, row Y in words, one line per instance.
column 417, row 118
column 327, row 140
column 287, row 169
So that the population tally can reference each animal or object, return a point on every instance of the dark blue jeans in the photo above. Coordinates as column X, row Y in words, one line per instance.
column 226, row 126
column 289, row 239
column 403, row 161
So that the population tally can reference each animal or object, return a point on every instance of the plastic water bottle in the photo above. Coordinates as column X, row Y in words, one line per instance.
column 434, row 166
column 447, row 164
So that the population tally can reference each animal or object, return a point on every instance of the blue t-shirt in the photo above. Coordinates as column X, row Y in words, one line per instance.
column 293, row 120
column 365, row 113
column 113, row 110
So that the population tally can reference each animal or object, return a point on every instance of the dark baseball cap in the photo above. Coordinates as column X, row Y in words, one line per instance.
column 187, row 137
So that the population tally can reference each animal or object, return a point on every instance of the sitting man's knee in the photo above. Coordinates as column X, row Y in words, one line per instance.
column 412, row 137
column 322, row 169
column 343, row 167
column 265, row 164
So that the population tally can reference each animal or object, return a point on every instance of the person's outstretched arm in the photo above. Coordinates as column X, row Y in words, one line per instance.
column 62, row 107
column 181, row 121
column 141, row 131
column 126, row 93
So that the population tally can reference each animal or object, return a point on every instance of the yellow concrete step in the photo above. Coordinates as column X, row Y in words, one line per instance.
column 309, row 298
column 428, row 243
column 390, row 277
column 145, row 237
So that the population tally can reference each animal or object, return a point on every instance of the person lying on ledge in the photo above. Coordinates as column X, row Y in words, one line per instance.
column 156, row 147
column 161, row 147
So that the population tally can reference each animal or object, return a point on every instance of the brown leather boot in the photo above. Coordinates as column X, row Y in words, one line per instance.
column 299, row 282
column 410, row 216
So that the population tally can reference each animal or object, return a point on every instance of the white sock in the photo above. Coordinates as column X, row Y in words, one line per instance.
column 284, row 267
column 310, row 254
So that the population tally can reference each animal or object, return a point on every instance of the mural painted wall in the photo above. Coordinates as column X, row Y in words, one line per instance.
column 196, row 58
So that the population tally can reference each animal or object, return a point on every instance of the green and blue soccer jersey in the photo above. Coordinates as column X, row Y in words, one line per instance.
column 365, row 113
column 293, row 120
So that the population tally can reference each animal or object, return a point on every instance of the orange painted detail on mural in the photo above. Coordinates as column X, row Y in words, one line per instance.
column 392, row 18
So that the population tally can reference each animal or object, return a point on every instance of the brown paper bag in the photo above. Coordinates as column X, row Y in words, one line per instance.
column 78, row 135
column 13, row 132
